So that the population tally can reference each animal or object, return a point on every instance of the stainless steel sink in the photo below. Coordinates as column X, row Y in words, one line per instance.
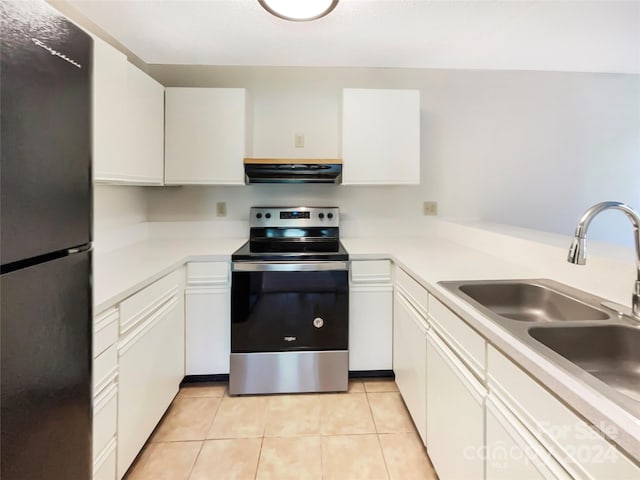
column 608, row 352
column 527, row 300
column 569, row 327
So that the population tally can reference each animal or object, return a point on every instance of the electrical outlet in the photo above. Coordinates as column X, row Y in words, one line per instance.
column 221, row 209
column 299, row 140
column 430, row 208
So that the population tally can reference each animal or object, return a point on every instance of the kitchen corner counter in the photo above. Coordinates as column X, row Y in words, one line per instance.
column 122, row 272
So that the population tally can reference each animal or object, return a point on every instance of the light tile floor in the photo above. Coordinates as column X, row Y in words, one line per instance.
column 363, row 434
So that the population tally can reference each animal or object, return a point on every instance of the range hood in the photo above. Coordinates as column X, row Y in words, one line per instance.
column 292, row 170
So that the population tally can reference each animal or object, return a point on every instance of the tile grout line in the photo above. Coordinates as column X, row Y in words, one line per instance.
column 193, row 466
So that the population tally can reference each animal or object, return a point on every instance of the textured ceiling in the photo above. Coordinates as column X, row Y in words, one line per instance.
column 579, row 35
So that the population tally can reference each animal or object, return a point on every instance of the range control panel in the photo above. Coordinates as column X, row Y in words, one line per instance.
column 294, row 216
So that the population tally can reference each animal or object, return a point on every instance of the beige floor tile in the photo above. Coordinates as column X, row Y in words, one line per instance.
column 290, row 415
column 234, row 459
column 187, row 419
column 239, row 417
column 346, row 414
column 351, row 457
column 389, row 413
column 203, row 390
column 356, row 386
column 380, row 385
column 406, row 457
column 165, row 461
column 295, row 458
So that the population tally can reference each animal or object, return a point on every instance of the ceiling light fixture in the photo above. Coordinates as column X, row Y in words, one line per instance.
column 299, row 10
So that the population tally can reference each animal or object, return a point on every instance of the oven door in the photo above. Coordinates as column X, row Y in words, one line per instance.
column 289, row 306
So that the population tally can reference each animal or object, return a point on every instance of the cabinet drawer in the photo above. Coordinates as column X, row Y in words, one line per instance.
column 137, row 308
column 512, row 452
column 105, row 368
column 463, row 339
column 370, row 271
column 413, row 291
column 104, row 468
column 105, row 330
column 105, row 421
column 208, row 273
column 574, row 444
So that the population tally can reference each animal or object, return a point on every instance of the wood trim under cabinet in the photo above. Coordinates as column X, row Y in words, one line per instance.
column 284, row 161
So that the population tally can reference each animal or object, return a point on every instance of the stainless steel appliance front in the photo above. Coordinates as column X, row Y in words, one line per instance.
column 290, row 304
column 289, row 372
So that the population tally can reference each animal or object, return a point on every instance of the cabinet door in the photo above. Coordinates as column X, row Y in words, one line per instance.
column 409, row 359
column 370, row 315
column 381, row 137
column 151, row 369
column 208, row 323
column 512, row 452
column 206, row 136
column 144, row 139
column 455, row 415
column 109, row 97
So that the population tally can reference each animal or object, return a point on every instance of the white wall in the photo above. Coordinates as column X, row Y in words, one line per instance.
column 117, row 206
column 532, row 149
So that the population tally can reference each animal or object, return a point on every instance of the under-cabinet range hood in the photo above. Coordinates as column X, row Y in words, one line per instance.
column 292, row 170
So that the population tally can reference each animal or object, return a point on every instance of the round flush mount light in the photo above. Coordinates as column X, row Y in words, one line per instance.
column 299, row 10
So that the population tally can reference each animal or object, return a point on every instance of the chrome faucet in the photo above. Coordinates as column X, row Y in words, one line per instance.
column 578, row 253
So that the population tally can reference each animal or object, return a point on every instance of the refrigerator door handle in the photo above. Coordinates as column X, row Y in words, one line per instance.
column 81, row 248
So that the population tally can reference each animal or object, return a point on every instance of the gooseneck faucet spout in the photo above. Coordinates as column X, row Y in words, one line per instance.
column 578, row 252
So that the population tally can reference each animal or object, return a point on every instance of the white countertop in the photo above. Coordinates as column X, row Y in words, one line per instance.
column 120, row 273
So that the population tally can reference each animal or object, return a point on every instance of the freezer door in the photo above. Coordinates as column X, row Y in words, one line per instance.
column 45, row 125
column 45, row 336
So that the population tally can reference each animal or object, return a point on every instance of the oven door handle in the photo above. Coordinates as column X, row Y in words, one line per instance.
column 315, row 266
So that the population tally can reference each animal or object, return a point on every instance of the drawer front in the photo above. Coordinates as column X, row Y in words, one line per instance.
column 105, row 368
column 208, row 273
column 104, row 468
column 463, row 339
column 512, row 452
column 576, row 446
column 105, row 420
column 370, row 271
column 105, row 330
column 413, row 291
column 137, row 308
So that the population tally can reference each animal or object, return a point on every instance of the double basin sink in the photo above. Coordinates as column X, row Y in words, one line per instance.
column 569, row 327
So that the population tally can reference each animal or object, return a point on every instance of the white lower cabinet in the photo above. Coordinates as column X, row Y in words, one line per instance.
column 151, row 364
column 410, row 359
column 512, row 452
column 370, row 315
column 105, row 398
column 455, row 415
column 208, row 314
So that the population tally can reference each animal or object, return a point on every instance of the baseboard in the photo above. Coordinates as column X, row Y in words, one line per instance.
column 224, row 377
column 218, row 377
column 371, row 374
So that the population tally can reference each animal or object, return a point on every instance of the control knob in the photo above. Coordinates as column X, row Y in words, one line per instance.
column 318, row 322
column 267, row 215
column 330, row 215
column 321, row 216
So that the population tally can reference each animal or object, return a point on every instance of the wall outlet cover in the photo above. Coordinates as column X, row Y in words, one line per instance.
column 430, row 208
column 221, row 209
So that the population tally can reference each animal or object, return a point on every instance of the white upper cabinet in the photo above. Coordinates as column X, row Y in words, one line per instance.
column 207, row 135
column 109, row 92
column 128, row 121
column 381, row 137
column 144, row 138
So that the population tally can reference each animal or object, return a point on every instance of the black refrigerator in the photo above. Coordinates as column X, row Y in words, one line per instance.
column 45, row 245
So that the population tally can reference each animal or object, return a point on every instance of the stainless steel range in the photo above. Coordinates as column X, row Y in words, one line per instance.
column 290, row 304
